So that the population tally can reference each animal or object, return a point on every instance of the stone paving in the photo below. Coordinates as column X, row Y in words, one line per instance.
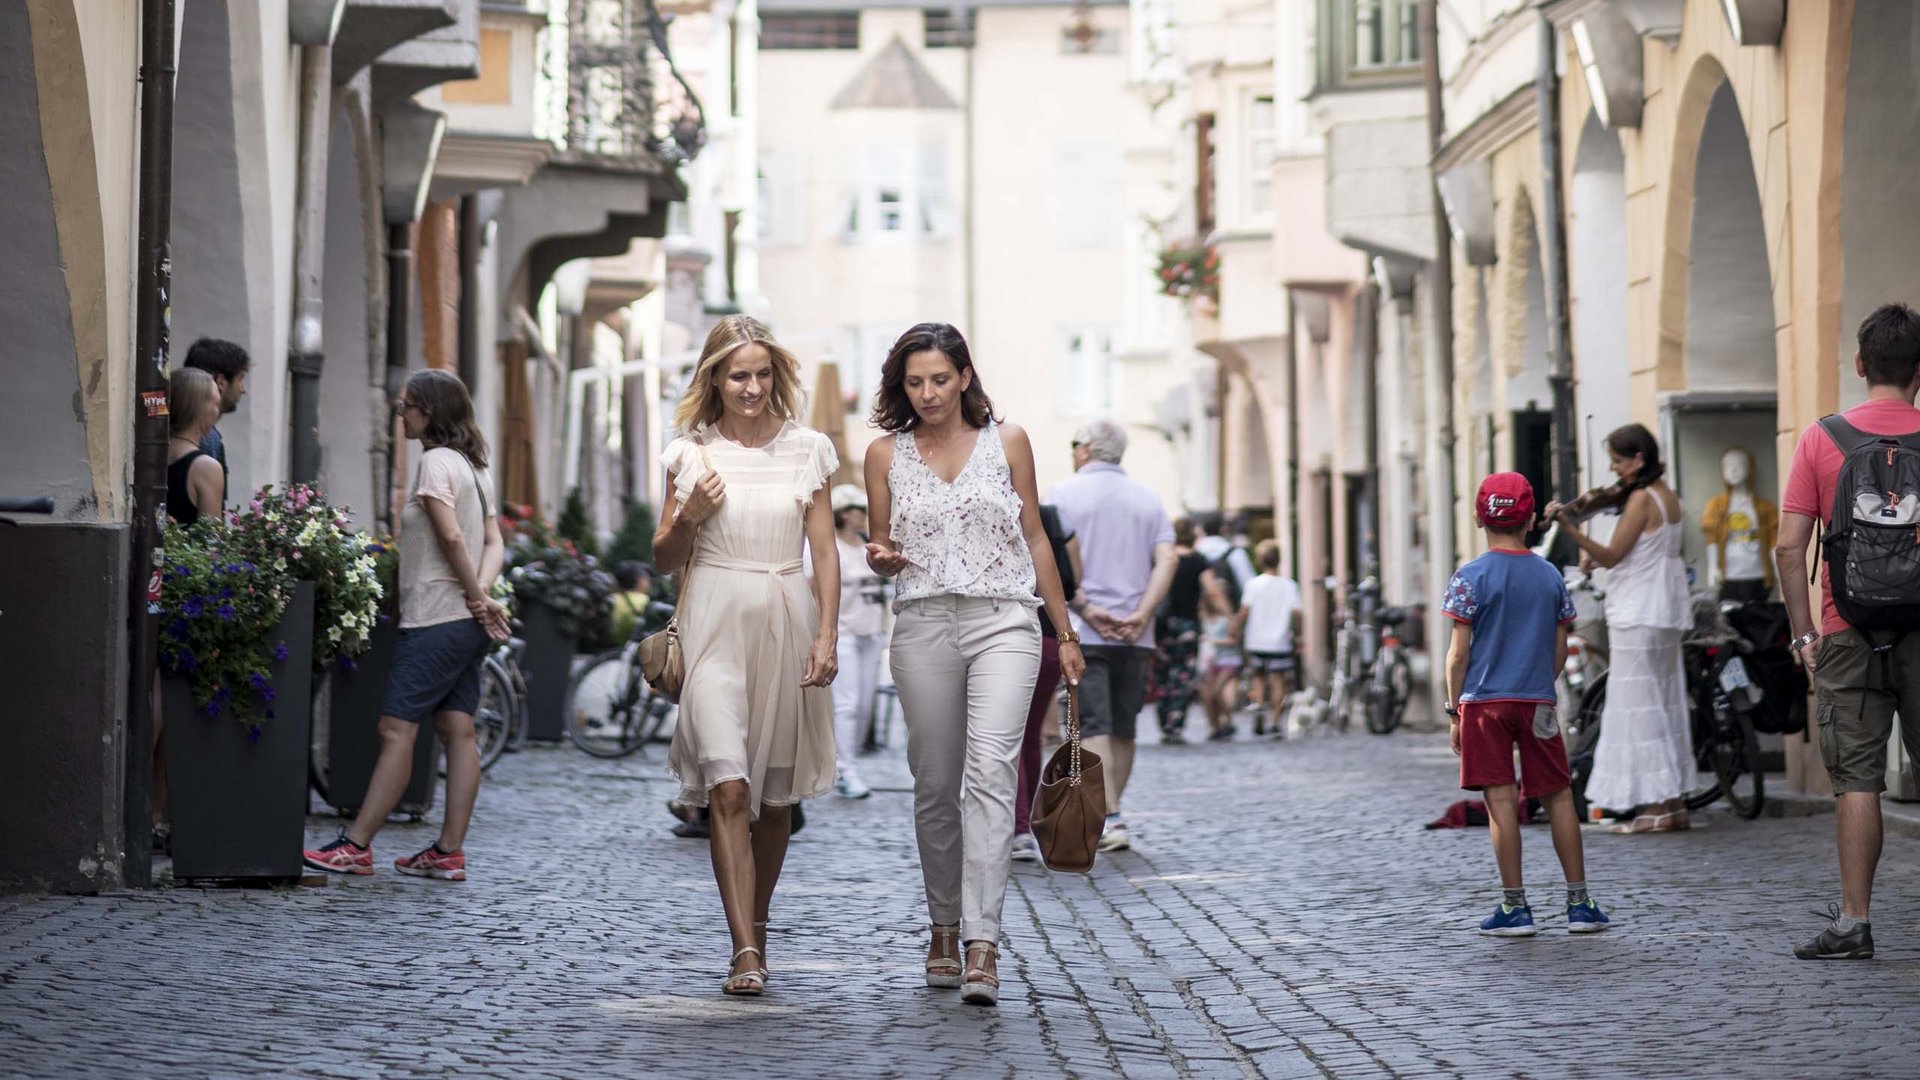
column 1284, row 914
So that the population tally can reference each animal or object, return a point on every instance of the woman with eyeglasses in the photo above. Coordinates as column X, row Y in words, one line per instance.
column 450, row 554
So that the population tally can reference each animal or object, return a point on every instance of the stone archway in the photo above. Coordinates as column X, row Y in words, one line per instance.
column 1597, row 272
column 62, row 322
column 1717, row 315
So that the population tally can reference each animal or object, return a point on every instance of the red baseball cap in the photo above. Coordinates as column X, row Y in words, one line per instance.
column 1505, row 501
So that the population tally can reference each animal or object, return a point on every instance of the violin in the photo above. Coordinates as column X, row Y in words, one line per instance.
column 1599, row 500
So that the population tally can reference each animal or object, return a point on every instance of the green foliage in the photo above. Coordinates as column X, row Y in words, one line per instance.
column 219, row 607
column 634, row 541
column 542, row 565
column 574, row 524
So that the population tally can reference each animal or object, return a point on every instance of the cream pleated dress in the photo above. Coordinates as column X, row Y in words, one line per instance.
column 747, row 622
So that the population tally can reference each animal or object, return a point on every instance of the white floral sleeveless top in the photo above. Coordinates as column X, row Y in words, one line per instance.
column 963, row 538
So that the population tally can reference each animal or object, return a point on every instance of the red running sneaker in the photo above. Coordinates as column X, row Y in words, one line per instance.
column 343, row 856
column 434, row 863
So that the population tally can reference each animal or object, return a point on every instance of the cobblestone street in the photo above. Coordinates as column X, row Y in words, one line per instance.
column 1283, row 914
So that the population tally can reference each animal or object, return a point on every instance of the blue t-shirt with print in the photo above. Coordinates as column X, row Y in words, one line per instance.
column 1515, row 601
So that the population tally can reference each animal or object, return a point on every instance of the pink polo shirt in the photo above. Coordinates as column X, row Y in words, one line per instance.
column 1816, row 465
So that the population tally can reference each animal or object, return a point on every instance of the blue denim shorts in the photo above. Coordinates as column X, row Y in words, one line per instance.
column 436, row 669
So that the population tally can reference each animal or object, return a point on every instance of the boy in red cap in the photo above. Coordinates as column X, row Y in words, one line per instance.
column 1511, row 612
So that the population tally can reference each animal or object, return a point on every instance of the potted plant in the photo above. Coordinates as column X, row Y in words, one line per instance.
column 347, row 735
column 561, row 597
column 236, row 652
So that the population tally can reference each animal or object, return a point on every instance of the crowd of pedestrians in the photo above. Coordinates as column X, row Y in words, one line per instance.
column 982, row 598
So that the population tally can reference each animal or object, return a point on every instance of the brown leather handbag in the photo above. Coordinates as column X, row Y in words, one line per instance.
column 662, row 663
column 1071, row 806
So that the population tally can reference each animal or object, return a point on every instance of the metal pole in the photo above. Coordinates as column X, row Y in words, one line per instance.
column 305, row 347
column 152, row 330
column 1553, row 251
column 1439, row 358
column 399, row 315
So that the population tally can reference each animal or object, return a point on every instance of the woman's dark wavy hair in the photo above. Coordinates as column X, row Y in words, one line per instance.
column 1636, row 439
column 449, row 413
column 893, row 411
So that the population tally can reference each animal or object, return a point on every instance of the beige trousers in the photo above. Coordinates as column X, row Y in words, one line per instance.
column 965, row 668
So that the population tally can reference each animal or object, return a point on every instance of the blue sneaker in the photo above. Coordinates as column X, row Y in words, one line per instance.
column 1509, row 922
column 1586, row 918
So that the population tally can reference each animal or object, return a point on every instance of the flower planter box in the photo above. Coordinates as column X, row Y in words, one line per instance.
column 352, row 738
column 547, row 664
column 238, row 803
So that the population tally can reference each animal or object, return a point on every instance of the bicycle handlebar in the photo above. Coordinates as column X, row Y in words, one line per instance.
column 41, row 505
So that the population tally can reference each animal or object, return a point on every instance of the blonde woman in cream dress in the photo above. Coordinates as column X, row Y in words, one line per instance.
column 746, row 487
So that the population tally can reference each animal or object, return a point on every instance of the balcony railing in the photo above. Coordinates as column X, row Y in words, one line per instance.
column 626, row 101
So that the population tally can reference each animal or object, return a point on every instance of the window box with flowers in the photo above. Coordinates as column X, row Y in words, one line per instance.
column 1191, row 273
column 562, row 598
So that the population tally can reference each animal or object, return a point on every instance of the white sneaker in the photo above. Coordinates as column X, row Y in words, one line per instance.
column 1025, row 848
column 850, row 787
column 1114, row 837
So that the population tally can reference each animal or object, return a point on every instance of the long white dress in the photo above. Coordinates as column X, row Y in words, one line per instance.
column 747, row 621
column 1645, row 753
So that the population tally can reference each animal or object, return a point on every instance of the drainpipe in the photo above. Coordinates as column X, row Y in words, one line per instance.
column 1439, row 360
column 305, row 353
column 151, row 344
column 469, row 331
column 1553, row 251
column 399, row 318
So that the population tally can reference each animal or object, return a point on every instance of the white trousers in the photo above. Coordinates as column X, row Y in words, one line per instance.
column 965, row 668
column 859, row 656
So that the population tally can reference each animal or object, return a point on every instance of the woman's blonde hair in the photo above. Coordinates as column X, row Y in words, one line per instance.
column 701, row 403
column 188, row 391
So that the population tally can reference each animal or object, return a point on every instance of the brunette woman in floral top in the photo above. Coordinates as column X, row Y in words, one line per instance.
column 955, row 518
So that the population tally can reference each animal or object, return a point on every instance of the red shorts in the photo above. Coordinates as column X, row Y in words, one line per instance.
column 1490, row 730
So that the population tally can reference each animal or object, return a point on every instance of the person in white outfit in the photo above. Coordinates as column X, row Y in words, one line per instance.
column 1645, row 755
column 863, row 606
column 956, row 521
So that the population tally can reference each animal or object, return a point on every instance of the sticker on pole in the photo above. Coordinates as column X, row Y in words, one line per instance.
column 155, row 402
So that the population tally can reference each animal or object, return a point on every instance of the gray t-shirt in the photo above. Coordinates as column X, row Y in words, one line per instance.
column 430, row 592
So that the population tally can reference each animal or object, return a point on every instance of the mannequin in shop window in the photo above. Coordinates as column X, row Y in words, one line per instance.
column 1739, row 528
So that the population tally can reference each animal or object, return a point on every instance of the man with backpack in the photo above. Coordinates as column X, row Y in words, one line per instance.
column 1858, row 475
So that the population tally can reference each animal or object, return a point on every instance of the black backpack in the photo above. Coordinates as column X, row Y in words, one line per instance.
column 1222, row 568
column 1873, row 542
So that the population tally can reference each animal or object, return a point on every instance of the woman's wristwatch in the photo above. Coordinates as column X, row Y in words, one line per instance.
column 1804, row 640
column 1067, row 635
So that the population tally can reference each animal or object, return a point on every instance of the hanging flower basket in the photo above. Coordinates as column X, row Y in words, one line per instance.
column 1190, row 273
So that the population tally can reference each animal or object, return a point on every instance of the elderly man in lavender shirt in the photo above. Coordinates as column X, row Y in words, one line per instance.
column 1126, row 548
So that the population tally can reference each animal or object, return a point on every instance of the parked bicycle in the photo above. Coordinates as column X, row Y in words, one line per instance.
column 1371, row 672
column 610, row 710
column 1740, row 681
column 500, row 721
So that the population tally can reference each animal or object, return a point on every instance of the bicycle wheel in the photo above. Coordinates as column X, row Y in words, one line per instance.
column 606, row 706
column 494, row 717
column 1736, row 765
